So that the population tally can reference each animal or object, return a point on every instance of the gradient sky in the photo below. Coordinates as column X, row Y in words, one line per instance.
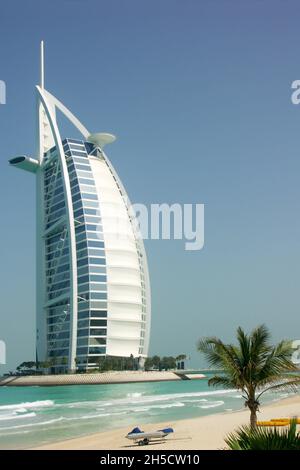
column 198, row 93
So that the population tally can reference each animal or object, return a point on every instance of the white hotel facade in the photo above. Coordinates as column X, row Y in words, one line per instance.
column 93, row 290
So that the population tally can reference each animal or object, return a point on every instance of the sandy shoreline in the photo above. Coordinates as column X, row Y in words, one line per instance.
column 111, row 377
column 201, row 433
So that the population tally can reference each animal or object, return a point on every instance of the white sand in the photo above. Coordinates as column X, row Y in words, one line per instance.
column 207, row 432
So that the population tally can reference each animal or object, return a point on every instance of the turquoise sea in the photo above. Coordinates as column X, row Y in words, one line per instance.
column 31, row 416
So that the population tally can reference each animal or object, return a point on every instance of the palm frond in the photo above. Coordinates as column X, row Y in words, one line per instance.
column 218, row 380
column 291, row 383
column 259, row 438
column 217, row 353
column 277, row 363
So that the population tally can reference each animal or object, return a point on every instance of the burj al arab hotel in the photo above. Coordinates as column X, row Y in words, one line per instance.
column 93, row 290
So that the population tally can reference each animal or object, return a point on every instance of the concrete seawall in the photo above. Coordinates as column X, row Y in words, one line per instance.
column 96, row 379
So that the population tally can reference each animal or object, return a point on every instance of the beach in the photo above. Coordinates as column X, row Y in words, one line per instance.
column 202, row 433
column 98, row 416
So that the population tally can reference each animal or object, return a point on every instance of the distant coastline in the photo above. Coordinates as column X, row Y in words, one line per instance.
column 113, row 377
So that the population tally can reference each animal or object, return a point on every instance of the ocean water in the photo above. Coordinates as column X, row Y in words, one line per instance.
column 31, row 416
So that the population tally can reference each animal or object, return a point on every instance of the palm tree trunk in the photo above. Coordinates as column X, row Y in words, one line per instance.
column 253, row 417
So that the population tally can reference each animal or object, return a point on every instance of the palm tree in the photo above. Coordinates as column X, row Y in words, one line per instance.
column 253, row 366
column 44, row 365
column 64, row 363
column 246, row 438
column 156, row 362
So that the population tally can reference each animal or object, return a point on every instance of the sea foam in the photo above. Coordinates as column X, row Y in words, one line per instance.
column 26, row 405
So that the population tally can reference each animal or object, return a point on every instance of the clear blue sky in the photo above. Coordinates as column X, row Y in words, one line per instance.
column 198, row 93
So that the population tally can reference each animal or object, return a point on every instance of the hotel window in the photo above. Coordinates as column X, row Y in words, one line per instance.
column 92, row 212
column 79, row 153
column 80, row 159
column 97, row 332
column 83, row 323
column 88, row 189
column 95, row 244
column 99, row 270
column 96, row 350
column 81, row 167
column 82, row 253
column 88, row 182
column 90, row 203
column 98, row 295
column 80, row 236
column 82, row 305
column 97, row 278
column 97, row 261
column 82, row 262
column 81, row 245
column 82, row 351
column 89, row 196
column 98, row 323
column 96, row 304
column 83, row 279
column 94, row 220
column 97, row 287
column 97, row 341
column 82, row 289
column 83, row 315
column 99, row 313
column 83, row 332
column 96, row 252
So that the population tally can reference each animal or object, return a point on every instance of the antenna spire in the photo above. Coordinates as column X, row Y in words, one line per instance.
column 42, row 65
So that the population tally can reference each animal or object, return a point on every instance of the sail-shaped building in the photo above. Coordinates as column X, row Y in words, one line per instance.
column 93, row 289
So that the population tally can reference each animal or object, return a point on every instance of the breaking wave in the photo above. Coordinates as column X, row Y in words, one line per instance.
column 26, row 405
column 212, row 405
